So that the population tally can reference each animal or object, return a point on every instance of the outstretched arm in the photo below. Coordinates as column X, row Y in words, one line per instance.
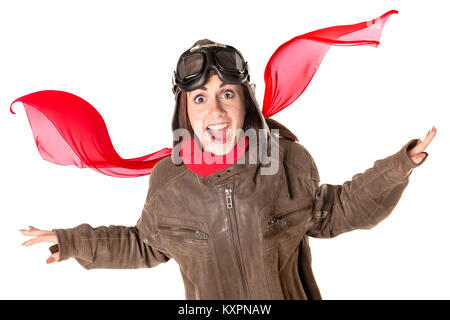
column 113, row 247
column 368, row 197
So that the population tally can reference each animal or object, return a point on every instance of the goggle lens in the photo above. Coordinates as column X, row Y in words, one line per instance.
column 230, row 60
column 190, row 65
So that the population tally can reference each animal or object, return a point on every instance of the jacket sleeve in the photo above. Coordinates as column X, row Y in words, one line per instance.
column 113, row 247
column 365, row 200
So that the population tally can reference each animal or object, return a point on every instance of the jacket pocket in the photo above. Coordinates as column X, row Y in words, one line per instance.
column 184, row 240
column 181, row 231
column 284, row 221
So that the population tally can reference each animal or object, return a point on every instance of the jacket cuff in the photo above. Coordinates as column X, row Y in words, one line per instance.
column 67, row 243
column 403, row 164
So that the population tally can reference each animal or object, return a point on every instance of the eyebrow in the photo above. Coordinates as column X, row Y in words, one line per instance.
column 221, row 85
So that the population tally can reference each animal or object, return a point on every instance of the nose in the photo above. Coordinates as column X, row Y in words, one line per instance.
column 216, row 107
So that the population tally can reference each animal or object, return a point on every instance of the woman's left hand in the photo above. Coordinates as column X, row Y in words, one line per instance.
column 417, row 153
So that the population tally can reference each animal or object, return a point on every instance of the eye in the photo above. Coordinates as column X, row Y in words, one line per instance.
column 199, row 99
column 229, row 94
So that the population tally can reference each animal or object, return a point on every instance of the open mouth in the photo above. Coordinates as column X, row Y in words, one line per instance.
column 219, row 133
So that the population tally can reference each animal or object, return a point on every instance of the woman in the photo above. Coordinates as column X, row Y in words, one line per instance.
column 235, row 232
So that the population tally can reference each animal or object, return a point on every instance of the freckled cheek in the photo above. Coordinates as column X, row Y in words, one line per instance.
column 196, row 120
column 238, row 117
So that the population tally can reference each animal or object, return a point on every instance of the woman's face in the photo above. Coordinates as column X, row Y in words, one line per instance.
column 216, row 111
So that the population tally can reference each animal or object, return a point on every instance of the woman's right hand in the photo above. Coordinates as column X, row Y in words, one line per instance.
column 41, row 236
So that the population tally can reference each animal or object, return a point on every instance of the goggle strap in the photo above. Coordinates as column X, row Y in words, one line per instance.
column 174, row 84
column 215, row 44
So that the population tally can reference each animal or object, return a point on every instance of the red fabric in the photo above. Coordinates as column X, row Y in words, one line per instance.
column 294, row 63
column 206, row 163
column 69, row 131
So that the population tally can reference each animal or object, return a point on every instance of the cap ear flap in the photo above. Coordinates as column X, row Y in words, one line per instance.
column 175, row 120
column 253, row 87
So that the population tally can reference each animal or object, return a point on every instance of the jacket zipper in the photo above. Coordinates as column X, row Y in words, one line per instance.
column 199, row 233
column 228, row 191
column 281, row 219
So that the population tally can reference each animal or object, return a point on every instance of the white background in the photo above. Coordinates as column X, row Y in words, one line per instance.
column 363, row 104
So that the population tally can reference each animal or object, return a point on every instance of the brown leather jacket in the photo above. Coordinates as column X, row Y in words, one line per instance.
column 238, row 234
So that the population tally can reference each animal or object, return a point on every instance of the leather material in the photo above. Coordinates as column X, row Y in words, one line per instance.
column 237, row 234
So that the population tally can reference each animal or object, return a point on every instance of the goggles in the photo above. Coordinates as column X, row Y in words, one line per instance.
column 194, row 64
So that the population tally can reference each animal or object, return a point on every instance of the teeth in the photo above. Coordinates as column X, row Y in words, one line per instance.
column 217, row 127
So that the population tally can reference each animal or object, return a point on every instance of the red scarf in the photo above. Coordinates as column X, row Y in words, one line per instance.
column 68, row 130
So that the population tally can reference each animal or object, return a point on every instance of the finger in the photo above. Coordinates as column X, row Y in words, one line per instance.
column 38, row 239
column 53, row 258
column 30, row 228
column 418, row 148
column 431, row 134
column 429, row 137
column 418, row 158
column 422, row 145
column 34, row 232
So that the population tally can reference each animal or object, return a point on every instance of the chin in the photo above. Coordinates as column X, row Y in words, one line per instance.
column 218, row 149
